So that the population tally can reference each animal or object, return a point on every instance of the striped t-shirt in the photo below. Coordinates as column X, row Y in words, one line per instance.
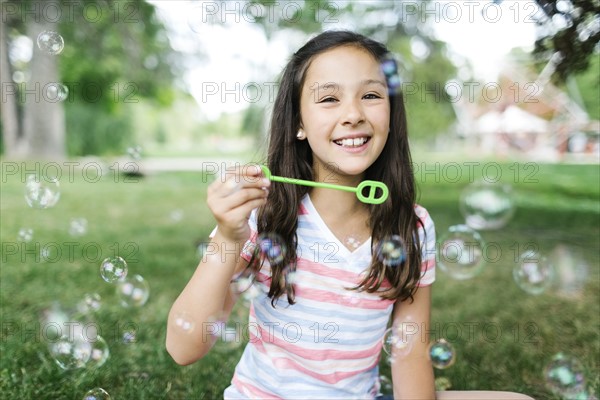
column 327, row 345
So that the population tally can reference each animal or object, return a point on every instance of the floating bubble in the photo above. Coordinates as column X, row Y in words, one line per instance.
column 461, row 252
column 572, row 271
column 184, row 322
column 97, row 394
column 25, row 234
column 78, row 227
column 71, row 352
column 442, row 354
column 398, row 341
column 50, row 42
column 352, row 242
column 271, row 247
column 252, row 293
column 135, row 152
column 133, row 292
column 113, row 269
column 442, row 383
column 56, row 92
column 389, row 68
column 91, row 302
column 533, row 273
column 176, row 215
column 129, row 336
column 385, row 385
column 391, row 251
column 487, row 205
column 99, row 352
column 564, row 376
column 53, row 318
column 242, row 282
column 202, row 248
column 41, row 194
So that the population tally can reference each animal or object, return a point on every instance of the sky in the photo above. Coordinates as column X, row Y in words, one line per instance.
column 238, row 56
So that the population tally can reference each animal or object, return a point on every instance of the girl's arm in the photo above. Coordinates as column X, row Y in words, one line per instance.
column 412, row 374
column 207, row 297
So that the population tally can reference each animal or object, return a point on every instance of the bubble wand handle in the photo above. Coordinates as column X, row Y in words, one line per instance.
column 370, row 198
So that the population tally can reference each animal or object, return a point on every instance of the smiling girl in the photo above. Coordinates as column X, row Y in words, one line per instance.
column 319, row 321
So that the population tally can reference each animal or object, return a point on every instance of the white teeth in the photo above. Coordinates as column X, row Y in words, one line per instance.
column 356, row 142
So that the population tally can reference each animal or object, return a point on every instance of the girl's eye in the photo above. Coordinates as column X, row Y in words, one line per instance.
column 370, row 96
column 327, row 100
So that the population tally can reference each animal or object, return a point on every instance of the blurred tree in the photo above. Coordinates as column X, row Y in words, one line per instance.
column 115, row 53
column 571, row 28
column 405, row 26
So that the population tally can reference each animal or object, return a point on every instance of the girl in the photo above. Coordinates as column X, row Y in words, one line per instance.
column 324, row 305
column 318, row 324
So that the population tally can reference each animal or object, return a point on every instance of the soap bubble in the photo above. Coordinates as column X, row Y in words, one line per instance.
column 184, row 322
column 242, row 282
column 391, row 251
column 71, row 352
column 461, row 252
column 50, row 42
column 91, row 302
column 176, row 215
column 41, row 194
column 398, row 340
column 386, row 387
column 56, row 92
column 129, row 336
column 352, row 242
column 113, row 269
column 487, row 205
column 271, row 247
column 533, row 273
column 571, row 269
column 135, row 152
column 442, row 354
column 133, row 292
column 99, row 352
column 25, row 234
column 564, row 376
column 389, row 67
column 78, row 227
column 442, row 383
column 97, row 394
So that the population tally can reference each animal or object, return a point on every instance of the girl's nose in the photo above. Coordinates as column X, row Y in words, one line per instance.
column 353, row 114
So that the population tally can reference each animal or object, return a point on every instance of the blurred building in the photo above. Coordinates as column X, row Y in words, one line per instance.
column 526, row 115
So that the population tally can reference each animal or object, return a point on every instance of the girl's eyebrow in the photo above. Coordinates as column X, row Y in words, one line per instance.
column 336, row 86
column 367, row 82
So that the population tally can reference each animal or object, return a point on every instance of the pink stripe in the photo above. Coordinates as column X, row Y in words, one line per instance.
column 302, row 210
column 327, row 271
column 334, row 298
column 308, row 354
column 331, row 378
column 251, row 390
column 428, row 264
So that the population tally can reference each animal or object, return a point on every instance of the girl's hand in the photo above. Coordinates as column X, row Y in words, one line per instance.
column 233, row 196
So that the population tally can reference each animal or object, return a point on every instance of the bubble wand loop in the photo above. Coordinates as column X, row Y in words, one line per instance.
column 371, row 198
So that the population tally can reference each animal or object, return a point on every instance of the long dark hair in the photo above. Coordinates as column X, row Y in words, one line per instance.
column 290, row 157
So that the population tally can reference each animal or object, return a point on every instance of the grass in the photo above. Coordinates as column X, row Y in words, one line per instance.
column 503, row 336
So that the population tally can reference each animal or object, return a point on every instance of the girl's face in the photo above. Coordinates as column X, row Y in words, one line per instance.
column 345, row 113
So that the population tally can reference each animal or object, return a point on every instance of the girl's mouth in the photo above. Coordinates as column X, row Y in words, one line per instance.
column 352, row 142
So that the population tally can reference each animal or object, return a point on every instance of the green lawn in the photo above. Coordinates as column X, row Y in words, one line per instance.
column 503, row 336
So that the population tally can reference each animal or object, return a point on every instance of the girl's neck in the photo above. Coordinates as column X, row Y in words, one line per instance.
column 345, row 216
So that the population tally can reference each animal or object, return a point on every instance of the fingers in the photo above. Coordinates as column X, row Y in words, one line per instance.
column 236, row 193
column 236, row 178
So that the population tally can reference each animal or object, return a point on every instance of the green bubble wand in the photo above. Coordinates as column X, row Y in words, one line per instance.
column 370, row 198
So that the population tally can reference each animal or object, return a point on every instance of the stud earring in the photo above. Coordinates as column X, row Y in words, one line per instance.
column 300, row 135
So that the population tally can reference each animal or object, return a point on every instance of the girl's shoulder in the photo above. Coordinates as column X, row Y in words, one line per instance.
column 422, row 213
